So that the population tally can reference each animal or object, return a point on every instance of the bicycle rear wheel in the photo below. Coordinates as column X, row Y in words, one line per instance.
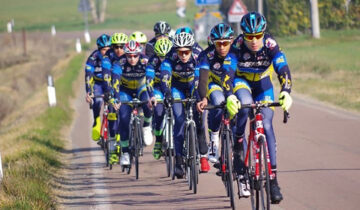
column 137, row 148
column 229, row 178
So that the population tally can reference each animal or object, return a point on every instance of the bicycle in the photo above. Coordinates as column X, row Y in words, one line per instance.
column 226, row 155
column 191, row 148
column 257, row 159
column 135, row 135
column 104, row 134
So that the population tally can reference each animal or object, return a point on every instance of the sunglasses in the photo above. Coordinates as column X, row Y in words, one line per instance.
column 132, row 56
column 183, row 52
column 118, row 47
column 249, row 37
column 224, row 43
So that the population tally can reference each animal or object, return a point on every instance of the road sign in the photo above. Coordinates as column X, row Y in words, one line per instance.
column 84, row 6
column 236, row 11
column 207, row 2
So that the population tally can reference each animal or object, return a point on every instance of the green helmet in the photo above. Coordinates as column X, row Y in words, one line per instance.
column 119, row 38
column 139, row 37
column 162, row 46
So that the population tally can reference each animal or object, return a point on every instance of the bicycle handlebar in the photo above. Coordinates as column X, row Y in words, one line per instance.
column 253, row 106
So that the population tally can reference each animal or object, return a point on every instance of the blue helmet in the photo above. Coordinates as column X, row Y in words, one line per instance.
column 103, row 41
column 184, row 29
column 253, row 23
column 221, row 31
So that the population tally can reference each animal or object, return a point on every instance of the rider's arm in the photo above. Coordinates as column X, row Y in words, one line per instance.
column 116, row 78
column 204, row 68
column 106, row 68
column 89, row 73
column 150, row 75
column 165, row 76
column 280, row 64
column 229, row 68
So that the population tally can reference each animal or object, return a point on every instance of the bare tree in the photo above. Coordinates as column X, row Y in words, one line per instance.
column 98, row 10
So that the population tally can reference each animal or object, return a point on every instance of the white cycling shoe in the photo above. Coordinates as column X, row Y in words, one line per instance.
column 148, row 136
column 213, row 153
column 244, row 187
column 125, row 159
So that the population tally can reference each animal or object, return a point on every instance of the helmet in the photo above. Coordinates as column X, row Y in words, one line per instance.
column 119, row 38
column 103, row 41
column 221, row 31
column 253, row 23
column 132, row 47
column 162, row 28
column 183, row 39
column 139, row 37
column 184, row 29
column 162, row 46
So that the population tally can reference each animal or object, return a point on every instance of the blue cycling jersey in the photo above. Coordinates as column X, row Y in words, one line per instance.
column 93, row 70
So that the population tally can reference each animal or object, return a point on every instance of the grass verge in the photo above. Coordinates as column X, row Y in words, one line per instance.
column 327, row 69
column 36, row 151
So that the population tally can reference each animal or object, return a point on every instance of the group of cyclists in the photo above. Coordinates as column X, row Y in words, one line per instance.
column 231, row 71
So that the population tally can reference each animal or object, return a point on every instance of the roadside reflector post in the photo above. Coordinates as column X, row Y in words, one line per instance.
column 87, row 36
column 9, row 27
column 53, row 30
column 51, row 91
column 78, row 45
column 1, row 171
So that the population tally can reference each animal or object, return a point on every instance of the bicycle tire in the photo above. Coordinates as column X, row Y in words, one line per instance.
column 106, row 153
column 262, row 202
column 251, row 173
column 137, row 148
column 229, row 170
column 267, row 176
column 192, row 149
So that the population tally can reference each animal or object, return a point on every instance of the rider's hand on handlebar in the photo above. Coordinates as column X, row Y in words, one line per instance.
column 168, row 100
column 152, row 102
column 285, row 100
column 201, row 105
column 233, row 105
column 89, row 97
column 116, row 105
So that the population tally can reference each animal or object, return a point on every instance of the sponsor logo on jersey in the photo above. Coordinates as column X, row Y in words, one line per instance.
column 128, row 68
column 122, row 61
column 280, row 60
column 211, row 54
column 143, row 61
column 178, row 67
column 270, row 43
column 246, row 56
column 217, row 65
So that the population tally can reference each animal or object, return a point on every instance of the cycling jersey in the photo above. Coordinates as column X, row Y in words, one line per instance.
column 93, row 70
column 153, row 74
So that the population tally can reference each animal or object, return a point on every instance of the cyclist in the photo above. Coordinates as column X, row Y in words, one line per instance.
column 161, row 48
column 139, row 37
column 94, row 81
column 128, row 79
column 178, row 69
column 211, row 61
column 257, row 57
column 118, row 41
column 161, row 30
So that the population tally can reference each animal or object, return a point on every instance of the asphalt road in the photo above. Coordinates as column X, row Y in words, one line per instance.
column 318, row 163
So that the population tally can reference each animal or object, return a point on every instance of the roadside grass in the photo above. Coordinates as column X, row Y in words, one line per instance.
column 121, row 14
column 327, row 69
column 33, row 153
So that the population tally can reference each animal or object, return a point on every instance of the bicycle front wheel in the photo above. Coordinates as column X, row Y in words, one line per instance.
column 263, row 184
column 229, row 169
column 193, row 165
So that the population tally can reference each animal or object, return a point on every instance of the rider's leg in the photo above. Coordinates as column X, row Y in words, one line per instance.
column 98, row 90
column 179, row 117
column 268, row 114
column 158, row 119
column 124, row 114
column 203, row 148
column 147, row 132
column 243, row 93
column 216, row 97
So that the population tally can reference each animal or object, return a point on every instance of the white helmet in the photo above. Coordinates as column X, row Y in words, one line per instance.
column 183, row 39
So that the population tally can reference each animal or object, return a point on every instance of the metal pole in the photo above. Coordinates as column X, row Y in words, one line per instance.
column 315, row 26
column 260, row 6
